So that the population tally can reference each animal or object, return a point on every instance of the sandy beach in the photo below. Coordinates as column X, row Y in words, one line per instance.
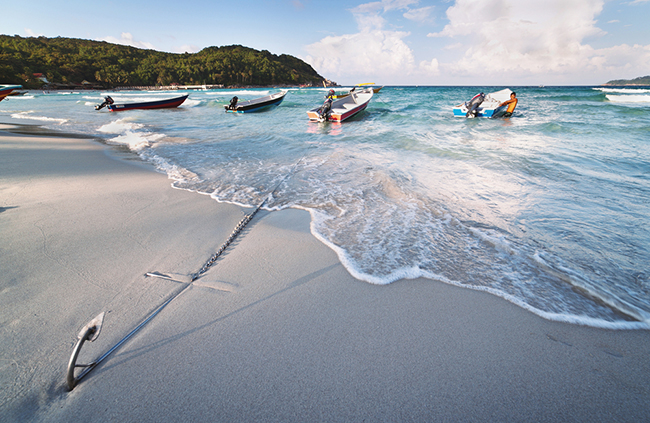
column 276, row 330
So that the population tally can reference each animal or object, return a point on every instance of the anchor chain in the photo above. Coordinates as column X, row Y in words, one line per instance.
column 91, row 330
column 242, row 223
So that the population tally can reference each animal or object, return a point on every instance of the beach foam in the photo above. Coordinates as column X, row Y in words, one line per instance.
column 29, row 115
column 624, row 90
column 629, row 98
column 405, row 190
column 131, row 134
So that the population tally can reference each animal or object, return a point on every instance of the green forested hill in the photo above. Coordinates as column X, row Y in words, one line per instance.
column 642, row 80
column 71, row 60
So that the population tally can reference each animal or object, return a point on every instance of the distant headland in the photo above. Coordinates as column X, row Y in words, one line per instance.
column 642, row 80
column 51, row 63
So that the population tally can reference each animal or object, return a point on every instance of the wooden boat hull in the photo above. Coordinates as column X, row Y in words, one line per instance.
column 258, row 104
column 161, row 104
column 344, row 108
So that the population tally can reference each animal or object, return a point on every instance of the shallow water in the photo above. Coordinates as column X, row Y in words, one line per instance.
column 548, row 209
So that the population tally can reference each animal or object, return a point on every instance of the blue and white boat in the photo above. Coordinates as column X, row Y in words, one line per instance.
column 484, row 105
column 256, row 105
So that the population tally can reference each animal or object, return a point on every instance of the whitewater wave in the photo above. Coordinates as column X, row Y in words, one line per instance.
column 628, row 98
column 624, row 90
column 192, row 103
column 133, row 135
column 29, row 116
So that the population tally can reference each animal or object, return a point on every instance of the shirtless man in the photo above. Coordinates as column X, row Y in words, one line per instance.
column 512, row 103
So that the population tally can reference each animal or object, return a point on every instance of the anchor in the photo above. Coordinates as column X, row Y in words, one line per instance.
column 90, row 332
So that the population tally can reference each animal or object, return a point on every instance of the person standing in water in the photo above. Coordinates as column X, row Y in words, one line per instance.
column 512, row 103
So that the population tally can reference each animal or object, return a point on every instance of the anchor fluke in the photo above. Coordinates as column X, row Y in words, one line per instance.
column 176, row 277
column 90, row 332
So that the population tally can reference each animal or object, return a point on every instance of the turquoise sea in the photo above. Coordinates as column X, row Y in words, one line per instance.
column 549, row 209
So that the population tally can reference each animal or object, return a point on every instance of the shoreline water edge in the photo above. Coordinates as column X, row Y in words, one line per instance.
column 277, row 330
column 545, row 209
column 540, row 209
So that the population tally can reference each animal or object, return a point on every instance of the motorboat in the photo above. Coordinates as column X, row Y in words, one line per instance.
column 484, row 105
column 256, row 105
column 158, row 104
column 374, row 89
column 343, row 108
column 5, row 90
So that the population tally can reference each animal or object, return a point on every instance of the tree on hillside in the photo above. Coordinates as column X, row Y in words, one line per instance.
column 70, row 60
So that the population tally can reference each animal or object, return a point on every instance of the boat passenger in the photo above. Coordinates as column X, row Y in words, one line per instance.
column 512, row 103
column 233, row 103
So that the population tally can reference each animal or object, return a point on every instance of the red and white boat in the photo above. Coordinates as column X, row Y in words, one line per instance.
column 5, row 90
column 342, row 108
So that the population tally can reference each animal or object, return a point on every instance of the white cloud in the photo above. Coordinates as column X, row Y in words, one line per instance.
column 186, row 48
column 422, row 14
column 368, row 15
column 127, row 39
column 398, row 4
column 511, row 39
column 31, row 33
column 430, row 68
column 365, row 54
column 373, row 52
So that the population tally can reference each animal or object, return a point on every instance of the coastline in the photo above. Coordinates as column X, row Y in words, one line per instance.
column 277, row 330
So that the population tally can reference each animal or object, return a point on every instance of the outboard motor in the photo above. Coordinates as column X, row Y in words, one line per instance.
column 324, row 110
column 107, row 100
column 233, row 103
column 472, row 105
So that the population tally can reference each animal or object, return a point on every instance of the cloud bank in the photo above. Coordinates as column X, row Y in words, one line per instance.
column 529, row 39
column 488, row 41
column 374, row 52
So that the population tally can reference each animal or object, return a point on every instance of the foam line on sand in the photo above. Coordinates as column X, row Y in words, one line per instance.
column 276, row 330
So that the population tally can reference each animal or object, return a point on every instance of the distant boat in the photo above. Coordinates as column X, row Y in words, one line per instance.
column 374, row 90
column 159, row 104
column 256, row 105
column 343, row 108
column 5, row 90
column 483, row 105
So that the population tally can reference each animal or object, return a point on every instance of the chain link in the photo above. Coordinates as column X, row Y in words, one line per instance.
column 242, row 223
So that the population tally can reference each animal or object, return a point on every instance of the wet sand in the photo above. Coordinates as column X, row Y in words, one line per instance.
column 276, row 330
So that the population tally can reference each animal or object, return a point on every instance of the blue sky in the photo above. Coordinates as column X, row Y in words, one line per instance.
column 392, row 42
